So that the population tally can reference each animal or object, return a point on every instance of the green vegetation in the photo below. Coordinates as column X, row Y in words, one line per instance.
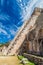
column 25, row 61
column 5, row 44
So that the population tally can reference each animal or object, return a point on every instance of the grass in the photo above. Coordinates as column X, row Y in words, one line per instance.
column 13, row 60
column 29, row 63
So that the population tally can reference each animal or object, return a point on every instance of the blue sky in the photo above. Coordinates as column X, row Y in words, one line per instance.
column 13, row 13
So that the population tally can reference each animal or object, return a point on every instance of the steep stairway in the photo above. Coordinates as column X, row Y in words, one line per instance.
column 21, row 35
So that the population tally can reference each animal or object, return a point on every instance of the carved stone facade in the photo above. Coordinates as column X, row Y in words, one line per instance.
column 34, row 40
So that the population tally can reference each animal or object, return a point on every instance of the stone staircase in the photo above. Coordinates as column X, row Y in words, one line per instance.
column 21, row 35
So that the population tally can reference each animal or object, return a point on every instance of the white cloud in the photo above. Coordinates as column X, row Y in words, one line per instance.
column 39, row 4
column 12, row 32
column 3, row 31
